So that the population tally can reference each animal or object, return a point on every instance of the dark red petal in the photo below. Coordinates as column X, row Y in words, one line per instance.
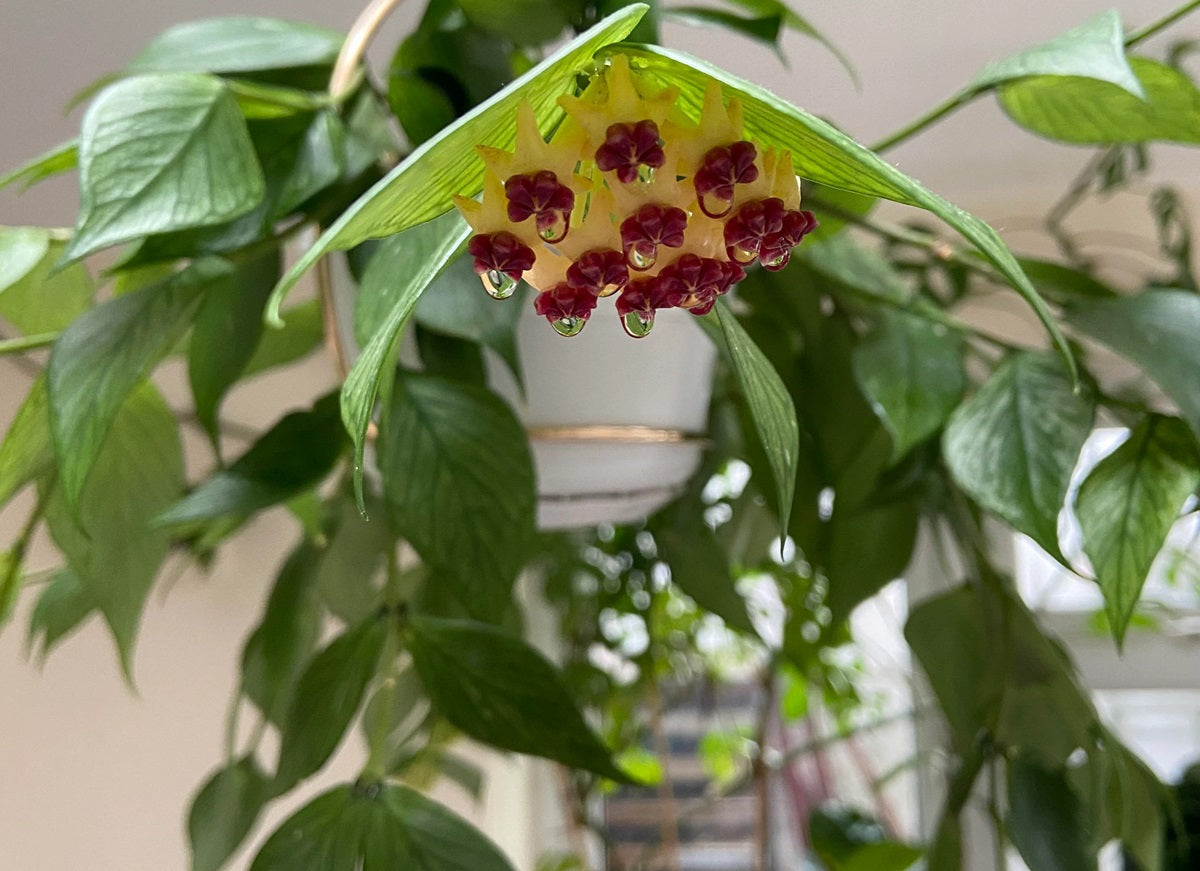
column 564, row 301
column 502, row 252
column 599, row 269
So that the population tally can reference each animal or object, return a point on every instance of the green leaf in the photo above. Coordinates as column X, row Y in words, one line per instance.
column 868, row 546
column 327, row 696
column 61, row 608
column 911, row 370
column 27, row 452
column 10, row 585
column 1127, row 802
column 40, row 298
column 824, row 154
column 1127, row 505
column 61, row 158
column 377, row 828
column 1063, row 284
column 106, row 533
column 237, row 44
column 421, row 107
column 302, row 333
column 422, row 186
column 1087, row 111
column 225, row 335
column 318, row 164
column 858, row 269
column 1046, row 822
column 1094, row 50
column 106, row 352
column 162, row 153
column 525, row 22
column 848, row 840
column 794, row 21
column 1013, row 445
column 258, row 101
column 458, row 478
column 501, row 691
column 350, row 566
column 766, row 397
column 1157, row 332
column 223, row 813
column 276, row 651
column 700, row 568
column 293, row 456
column 764, row 29
column 362, row 384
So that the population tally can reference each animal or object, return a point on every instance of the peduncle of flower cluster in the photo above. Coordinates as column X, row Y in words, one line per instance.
column 632, row 198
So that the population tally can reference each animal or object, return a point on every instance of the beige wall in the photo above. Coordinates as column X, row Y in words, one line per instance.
column 94, row 776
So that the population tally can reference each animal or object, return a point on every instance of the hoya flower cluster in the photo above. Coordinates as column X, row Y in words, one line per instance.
column 632, row 198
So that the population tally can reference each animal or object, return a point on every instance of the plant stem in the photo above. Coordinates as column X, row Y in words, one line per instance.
column 931, row 117
column 759, row 770
column 23, row 344
column 1163, row 23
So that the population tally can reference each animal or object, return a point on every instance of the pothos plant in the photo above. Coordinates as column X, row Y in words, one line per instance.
column 863, row 405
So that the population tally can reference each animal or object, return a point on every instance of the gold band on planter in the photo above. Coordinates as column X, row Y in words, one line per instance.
column 612, row 433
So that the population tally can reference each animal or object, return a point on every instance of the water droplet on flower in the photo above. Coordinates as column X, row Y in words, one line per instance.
column 608, row 290
column 499, row 285
column 743, row 254
column 568, row 326
column 714, row 206
column 645, row 174
column 639, row 260
column 638, row 324
column 556, row 230
column 779, row 261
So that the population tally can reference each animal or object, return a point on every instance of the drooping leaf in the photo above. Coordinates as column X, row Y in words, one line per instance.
column 1127, row 505
column 224, row 811
column 501, row 691
column 106, row 352
column 458, row 478
column 846, row 839
column 40, row 298
column 105, row 532
column 294, row 455
column 1127, row 802
column 867, row 547
column 237, row 44
column 767, row 399
column 61, row 158
column 377, row 828
column 763, row 28
column 1155, row 331
column 1094, row 50
column 225, row 336
column 61, row 608
column 700, row 568
column 422, row 186
column 525, row 22
column 1013, row 445
column 362, row 384
column 1089, row 111
column 794, row 21
column 825, row 155
column 912, row 372
column 349, row 567
column 27, row 452
column 1046, row 822
column 160, row 153
column 1064, row 284
column 327, row 696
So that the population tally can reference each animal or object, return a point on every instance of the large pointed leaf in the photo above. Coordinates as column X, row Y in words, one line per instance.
column 224, row 811
column 825, row 155
column 377, row 828
column 501, row 691
column 1013, row 445
column 61, row 609
column 1095, row 50
column 1157, row 332
column 1127, row 505
column 1046, row 821
column 106, row 352
column 162, row 153
column 106, row 535
column 767, row 399
column 1090, row 111
column 459, row 481
column 237, row 44
column 35, row 296
column 422, row 186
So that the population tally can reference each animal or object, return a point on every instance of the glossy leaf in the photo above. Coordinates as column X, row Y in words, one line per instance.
column 225, row 336
column 27, row 452
column 162, row 153
column 237, row 44
column 458, row 478
column 767, row 399
column 362, row 384
column 422, row 186
column 912, row 372
column 824, row 154
column 327, row 696
column 1046, row 822
column 61, row 158
column 40, row 297
column 525, row 22
column 293, row 456
column 377, row 828
column 106, row 533
column 1087, row 111
column 60, row 609
column 1156, row 331
column 106, row 352
column 224, row 811
column 1013, row 445
column 1095, row 50
column 501, row 691
column 1127, row 505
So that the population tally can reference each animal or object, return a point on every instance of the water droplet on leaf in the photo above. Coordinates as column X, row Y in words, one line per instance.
column 638, row 324
column 568, row 326
column 499, row 285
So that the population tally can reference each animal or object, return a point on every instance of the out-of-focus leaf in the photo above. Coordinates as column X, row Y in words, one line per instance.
column 36, row 297
column 237, row 44
column 301, row 334
column 848, row 840
column 223, row 813
column 1046, row 822
column 61, row 158
column 525, row 22
column 27, row 452
column 700, row 568
column 61, row 608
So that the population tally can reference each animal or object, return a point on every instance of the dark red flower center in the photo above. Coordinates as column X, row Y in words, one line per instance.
column 647, row 228
column 563, row 301
column 724, row 167
column 598, row 270
column 500, row 252
column 628, row 147
column 542, row 195
column 750, row 226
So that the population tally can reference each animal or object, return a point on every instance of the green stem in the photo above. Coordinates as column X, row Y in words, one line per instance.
column 934, row 115
column 22, row 344
column 1163, row 23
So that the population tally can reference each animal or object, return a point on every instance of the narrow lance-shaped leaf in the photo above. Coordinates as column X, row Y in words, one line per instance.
column 61, row 608
column 501, row 691
column 27, row 452
column 1127, row 505
column 824, row 154
column 61, row 158
column 423, row 185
